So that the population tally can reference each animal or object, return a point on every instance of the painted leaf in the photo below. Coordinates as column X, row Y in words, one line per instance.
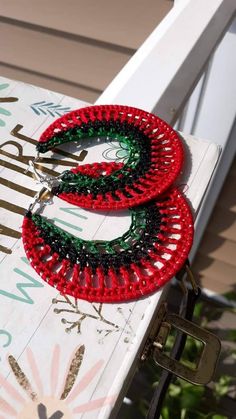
column 49, row 108
column 4, row 111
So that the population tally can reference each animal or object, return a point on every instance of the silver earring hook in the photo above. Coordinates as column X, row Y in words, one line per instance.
column 38, row 199
column 48, row 182
column 36, row 158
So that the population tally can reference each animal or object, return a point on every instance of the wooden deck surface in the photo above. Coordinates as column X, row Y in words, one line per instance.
column 215, row 262
column 75, row 47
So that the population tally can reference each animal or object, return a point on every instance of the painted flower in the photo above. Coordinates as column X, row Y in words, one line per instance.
column 60, row 403
column 117, row 151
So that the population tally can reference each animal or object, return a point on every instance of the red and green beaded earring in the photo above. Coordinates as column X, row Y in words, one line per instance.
column 154, row 162
column 136, row 264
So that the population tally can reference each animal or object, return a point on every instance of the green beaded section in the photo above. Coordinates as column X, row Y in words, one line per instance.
column 74, row 134
column 138, row 163
column 65, row 239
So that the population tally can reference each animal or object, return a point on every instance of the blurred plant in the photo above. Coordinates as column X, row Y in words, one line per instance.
column 221, row 388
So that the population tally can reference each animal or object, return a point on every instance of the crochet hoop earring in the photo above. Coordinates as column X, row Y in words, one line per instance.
column 149, row 254
column 154, row 162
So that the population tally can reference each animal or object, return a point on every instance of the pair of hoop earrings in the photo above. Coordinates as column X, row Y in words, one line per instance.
column 159, row 239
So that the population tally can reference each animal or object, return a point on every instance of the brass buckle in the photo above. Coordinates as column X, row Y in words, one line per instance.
column 155, row 344
column 210, row 354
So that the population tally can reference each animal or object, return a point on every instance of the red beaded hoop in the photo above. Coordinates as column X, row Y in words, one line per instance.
column 134, row 265
column 155, row 160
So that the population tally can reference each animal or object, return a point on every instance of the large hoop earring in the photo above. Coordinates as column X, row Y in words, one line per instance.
column 154, row 162
column 149, row 254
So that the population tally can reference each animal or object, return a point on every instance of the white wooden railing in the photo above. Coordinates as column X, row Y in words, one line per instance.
column 185, row 73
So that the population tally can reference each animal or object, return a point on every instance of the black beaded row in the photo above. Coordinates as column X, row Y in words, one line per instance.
column 76, row 252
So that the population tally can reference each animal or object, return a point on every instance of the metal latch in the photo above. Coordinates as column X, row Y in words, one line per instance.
column 155, row 345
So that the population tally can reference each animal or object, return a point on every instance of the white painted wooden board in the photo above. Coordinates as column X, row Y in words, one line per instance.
column 33, row 316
